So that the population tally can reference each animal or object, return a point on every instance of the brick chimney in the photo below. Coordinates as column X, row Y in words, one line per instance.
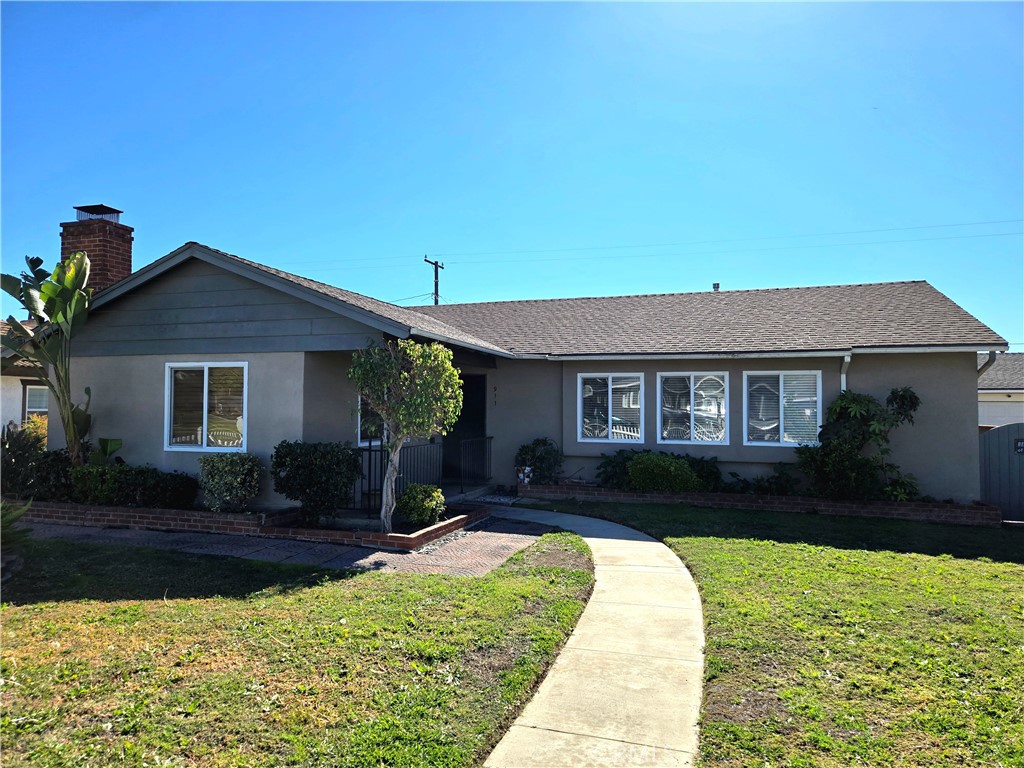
column 100, row 233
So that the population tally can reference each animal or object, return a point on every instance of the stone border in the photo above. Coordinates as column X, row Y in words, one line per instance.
column 280, row 524
column 976, row 514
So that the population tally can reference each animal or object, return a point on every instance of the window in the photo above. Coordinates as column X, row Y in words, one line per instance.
column 370, row 427
column 781, row 408
column 693, row 408
column 610, row 407
column 37, row 400
column 206, row 406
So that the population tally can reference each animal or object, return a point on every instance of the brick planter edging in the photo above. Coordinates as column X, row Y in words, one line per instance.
column 276, row 524
column 952, row 514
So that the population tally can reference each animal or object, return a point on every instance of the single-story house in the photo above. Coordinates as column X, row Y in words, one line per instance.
column 202, row 351
column 21, row 393
column 1001, row 391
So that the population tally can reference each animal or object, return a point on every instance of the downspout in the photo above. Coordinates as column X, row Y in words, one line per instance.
column 842, row 373
column 988, row 363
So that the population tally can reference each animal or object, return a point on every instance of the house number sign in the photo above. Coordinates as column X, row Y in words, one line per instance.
column 1018, row 445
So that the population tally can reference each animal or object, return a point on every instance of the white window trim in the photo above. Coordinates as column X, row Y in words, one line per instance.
column 782, row 400
column 579, row 408
column 169, row 369
column 692, row 375
column 25, row 410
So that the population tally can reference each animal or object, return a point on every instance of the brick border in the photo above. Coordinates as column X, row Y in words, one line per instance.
column 976, row 514
column 280, row 524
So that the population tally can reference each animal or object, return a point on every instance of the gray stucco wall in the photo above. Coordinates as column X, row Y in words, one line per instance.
column 941, row 447
column 330, row 399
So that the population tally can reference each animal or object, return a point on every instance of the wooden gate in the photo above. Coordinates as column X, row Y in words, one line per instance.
column 1002, row 470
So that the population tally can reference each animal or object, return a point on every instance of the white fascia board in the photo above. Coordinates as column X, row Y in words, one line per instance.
column 1000, row 391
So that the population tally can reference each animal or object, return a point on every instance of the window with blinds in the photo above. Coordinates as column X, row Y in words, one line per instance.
column 782, row 408
column 693, row 408
column 37, row 400
column 610, row 407
column 206, row 406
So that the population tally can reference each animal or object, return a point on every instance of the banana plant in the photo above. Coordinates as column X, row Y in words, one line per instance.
column 57, row 303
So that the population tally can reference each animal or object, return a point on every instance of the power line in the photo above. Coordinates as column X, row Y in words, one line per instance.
column 733, row 240
column 376, row 259
column 406, row 298
column 742, row 250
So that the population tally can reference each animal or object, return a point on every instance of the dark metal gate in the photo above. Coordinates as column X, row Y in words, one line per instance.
column 417, row 463
column 1002, row 470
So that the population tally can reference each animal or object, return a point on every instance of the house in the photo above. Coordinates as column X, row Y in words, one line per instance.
column 21, row 393
column 202, row 351
column 1001, row 390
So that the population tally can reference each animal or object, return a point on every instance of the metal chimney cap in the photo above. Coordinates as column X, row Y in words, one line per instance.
column 98, row 212
column 714, row 286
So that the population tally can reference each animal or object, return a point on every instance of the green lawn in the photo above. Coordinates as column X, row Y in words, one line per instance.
column 121, row 656
column 838, row 642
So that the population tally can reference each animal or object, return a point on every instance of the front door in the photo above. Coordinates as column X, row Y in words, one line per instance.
column 472, row 424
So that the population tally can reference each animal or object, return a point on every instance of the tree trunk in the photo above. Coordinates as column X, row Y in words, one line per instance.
column 387, row 504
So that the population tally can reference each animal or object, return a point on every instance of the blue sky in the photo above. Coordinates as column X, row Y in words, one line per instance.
column 537, row 150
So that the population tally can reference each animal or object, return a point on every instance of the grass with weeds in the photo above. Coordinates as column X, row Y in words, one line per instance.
column 843, row 642
column 122, row 656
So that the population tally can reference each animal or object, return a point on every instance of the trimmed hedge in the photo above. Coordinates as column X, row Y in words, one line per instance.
column 230, row 480
column 421, row 505
column 319, row 476
column 661, row 472
column 120, row 485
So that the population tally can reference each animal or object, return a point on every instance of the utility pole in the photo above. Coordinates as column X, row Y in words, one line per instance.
column 437, row 266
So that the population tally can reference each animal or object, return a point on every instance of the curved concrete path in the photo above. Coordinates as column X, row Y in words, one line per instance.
column 626, row 689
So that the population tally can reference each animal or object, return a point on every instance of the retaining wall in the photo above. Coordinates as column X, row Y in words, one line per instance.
column 280, row 524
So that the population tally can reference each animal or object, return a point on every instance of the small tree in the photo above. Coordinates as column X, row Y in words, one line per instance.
column 58, row 303
column 417, row 393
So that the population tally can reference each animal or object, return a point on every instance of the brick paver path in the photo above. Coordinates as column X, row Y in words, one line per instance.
column 472, row 553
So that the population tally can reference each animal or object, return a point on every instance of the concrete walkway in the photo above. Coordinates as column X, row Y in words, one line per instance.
column 626, row 689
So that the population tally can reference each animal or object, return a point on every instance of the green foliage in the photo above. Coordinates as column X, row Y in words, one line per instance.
column 108, row 446
column 613, row 469
column 229, row 481
column 780, row 482
column 707, row 471
column 413, row 387
column 123, row 486
column 661, row 473
column 545, row 458
column 58, row 303
column 850, row 461
column 10, row 513
column 420, row 504
column 319, row 476
column 37, row 424
column 28, row 470
column 417, row 393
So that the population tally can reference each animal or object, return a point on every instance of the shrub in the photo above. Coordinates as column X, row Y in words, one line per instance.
column 37, row 424
column 545, row 458
column 229, row 480
column 779, row 483
column 661, row 472
column 850, row 461
column 613, row 471
column 317, row 475
column 420, row 505
column 707, row 471
column 27, row 469
column 124, row 486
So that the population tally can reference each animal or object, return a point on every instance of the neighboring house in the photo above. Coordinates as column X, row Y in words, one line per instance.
column 21, row 393
column 1001, row 390
column 202, row 351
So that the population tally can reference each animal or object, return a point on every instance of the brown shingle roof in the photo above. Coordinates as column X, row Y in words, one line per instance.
column 1006, row 373
column 834, row 317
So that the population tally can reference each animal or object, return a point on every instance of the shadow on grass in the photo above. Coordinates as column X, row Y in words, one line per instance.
column 56, row 570
column 662, row 521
